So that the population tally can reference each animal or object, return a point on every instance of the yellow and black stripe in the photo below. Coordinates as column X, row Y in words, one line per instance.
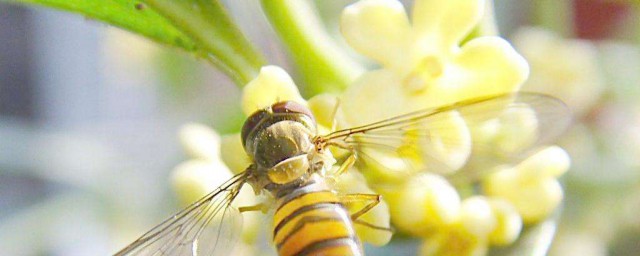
column 310, row 220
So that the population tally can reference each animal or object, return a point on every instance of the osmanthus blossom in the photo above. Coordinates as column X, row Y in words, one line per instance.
column 273, row 84
column 204, row 172
column 562, row 67
column 531, row 186
column 422, row 63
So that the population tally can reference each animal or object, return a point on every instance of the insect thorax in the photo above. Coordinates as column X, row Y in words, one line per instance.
column 279, row 140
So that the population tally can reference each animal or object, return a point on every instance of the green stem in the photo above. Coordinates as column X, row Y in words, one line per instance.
column 220, row 41
column 555, row 15
column 636, row 14
column 323, row 64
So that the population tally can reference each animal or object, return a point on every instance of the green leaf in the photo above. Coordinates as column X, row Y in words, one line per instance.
column 130, row 15
column 324, row 66
column 208, row 24
column 201, row 27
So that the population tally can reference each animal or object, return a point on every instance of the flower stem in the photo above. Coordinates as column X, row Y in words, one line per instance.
column 323, row 64
column 556, row 15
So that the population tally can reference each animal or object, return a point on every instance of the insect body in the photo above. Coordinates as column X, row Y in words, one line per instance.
column 309, row 219
column 291, row 163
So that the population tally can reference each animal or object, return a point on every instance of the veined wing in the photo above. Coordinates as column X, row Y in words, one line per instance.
column 485, row 131
column 210, row 226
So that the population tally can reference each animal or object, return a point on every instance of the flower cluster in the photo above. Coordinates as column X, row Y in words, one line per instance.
column 271, row 85
column 565, row 68
column 422, row 63
column 204, row 172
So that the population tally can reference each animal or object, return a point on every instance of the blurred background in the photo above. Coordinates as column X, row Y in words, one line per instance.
column 89, row 116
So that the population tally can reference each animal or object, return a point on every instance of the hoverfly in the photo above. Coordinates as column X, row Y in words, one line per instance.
column 290, row 162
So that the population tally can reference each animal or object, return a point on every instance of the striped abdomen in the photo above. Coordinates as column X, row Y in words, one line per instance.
column 311, row 221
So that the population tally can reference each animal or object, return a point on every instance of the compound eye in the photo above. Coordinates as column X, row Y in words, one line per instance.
column 250, row 124
column 291, row 107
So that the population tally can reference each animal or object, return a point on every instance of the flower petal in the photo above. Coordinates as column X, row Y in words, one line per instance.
column 450, row 144
column 200, row 141
column 378, row 29
column 565, row 68
column 508, row 223
column 445, row 23
column 195, row 178
column 363, row 103
column 485, row 66
column 325, row 108
column 373, row 97
column 517, row 129
column 477, row 216
column 534, row 198
column 551, row 162
column 273, row 84
column 233, row 154
column 424, row 204
column 454, row 240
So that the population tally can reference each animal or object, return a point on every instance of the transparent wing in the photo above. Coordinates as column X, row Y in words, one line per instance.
column 485, row 132
column 210, row 226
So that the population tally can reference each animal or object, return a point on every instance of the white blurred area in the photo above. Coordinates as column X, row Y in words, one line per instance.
column 88, row 131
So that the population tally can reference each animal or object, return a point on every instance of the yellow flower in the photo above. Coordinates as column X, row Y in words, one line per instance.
column 477, row 216
column 205, row 171
column 481, row 221
column 422, row 64
column 202, row 173
column 508, row 222
column 233, row 154
column 565, row 68
column 454, row 240
column 273, row 84
column 531, row 186
column 423, row 204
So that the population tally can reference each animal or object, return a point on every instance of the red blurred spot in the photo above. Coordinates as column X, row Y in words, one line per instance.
column 598, row 19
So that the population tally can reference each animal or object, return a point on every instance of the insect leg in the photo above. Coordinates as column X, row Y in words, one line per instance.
column 354, row 203
column 373, row 226
column 348, row 163
column 258, row 207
